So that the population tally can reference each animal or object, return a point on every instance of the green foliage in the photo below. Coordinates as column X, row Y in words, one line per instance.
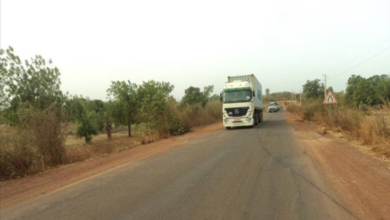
column 193, row 95
column 176, row 125
column 154, row 110
column 382, row 89
column 277, row 96
column 371, row 91
column 214, row 97
column 98, row 106
column 31, row 101
column 34, row 81
column 108, row 117
column 124, row 96
column 86, row 117
column 313, row 89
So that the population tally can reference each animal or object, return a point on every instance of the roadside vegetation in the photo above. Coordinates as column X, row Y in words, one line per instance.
column 362, row 112
column 43, row 127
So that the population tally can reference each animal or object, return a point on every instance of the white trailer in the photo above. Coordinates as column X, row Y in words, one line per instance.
column 242, row 101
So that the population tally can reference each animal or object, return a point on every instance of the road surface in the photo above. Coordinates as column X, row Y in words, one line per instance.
column 258, row 173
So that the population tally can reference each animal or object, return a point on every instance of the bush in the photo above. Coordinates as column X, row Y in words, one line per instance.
column 18, row 156
column 359, row 125
column 46, row 129
column 146, row 133
column 196, row 115
column 37, row 142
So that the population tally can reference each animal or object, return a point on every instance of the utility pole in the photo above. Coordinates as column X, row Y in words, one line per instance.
column 324, row 85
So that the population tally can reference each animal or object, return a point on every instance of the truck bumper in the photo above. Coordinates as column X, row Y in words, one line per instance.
column 238, row 122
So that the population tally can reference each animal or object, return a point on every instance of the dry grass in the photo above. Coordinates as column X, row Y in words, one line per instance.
column 77, row 150
column 29, row 149
column 371, row 128
column 19, row 156
column 196, row 116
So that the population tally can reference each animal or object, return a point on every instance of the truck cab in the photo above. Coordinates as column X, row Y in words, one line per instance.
column 242, row 103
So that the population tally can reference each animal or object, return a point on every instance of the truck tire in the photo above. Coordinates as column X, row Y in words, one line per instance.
column 255, row 119
column 228, row 128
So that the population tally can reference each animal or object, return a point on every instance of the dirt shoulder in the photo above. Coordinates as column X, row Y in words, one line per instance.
column 361, row 180
column 13, row 192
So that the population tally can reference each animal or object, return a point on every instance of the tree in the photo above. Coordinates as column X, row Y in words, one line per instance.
column 383, row 89
column 104, row 115
column 124, row 95
column 313, row 89
column 207, row 90
column 30, row 98
column 214, row 98
column 193, row 95
column 362, row 91
column 153, row 97
column 85, row 116
column 267, row 91
column 351, row 88
column 108, row 118
column 33, row 81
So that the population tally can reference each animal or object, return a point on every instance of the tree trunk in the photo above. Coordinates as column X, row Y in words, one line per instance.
column 109, row 131
column 129, row 128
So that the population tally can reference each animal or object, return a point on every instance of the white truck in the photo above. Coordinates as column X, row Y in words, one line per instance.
column 242, row 101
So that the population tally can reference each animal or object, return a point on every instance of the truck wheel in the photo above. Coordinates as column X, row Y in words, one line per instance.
column 228, row 128
column 255, row 119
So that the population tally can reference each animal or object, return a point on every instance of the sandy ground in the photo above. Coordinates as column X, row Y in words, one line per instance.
column 360, row 179
column 16, row 191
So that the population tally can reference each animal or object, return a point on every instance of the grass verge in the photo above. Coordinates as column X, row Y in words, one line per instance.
column 371, row 128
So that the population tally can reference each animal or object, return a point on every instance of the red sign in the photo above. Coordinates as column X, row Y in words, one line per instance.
column 330, row 99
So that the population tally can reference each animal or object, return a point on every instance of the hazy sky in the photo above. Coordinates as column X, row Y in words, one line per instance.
column 199, row 43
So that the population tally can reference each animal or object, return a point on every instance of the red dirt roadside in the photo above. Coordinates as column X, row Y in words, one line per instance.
column 362, row 181
column 16, row 191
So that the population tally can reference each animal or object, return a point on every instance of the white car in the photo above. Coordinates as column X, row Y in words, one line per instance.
column 273, row 107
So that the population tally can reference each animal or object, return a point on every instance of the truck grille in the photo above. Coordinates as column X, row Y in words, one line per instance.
column 236, row 112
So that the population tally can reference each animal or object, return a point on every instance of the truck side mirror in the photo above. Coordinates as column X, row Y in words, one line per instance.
column 221, row 97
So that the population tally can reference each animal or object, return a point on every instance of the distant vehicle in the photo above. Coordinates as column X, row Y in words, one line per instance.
column 242, row 101
column 273, row 107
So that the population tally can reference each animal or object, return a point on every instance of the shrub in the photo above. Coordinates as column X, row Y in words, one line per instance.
column 18, row 156
column 196, row 115
column 359, row 125
column 146, row 133
column 38, row 141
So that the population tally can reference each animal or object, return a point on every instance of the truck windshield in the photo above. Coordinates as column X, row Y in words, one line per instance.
column 237, row 96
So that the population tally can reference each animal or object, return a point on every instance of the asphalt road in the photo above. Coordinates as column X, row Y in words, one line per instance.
column 258, row 173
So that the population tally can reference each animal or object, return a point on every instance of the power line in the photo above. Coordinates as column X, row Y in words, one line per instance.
column 361, row 56
column 360, row 63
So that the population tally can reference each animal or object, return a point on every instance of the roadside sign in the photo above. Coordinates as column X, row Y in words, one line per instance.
column 330, row 99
